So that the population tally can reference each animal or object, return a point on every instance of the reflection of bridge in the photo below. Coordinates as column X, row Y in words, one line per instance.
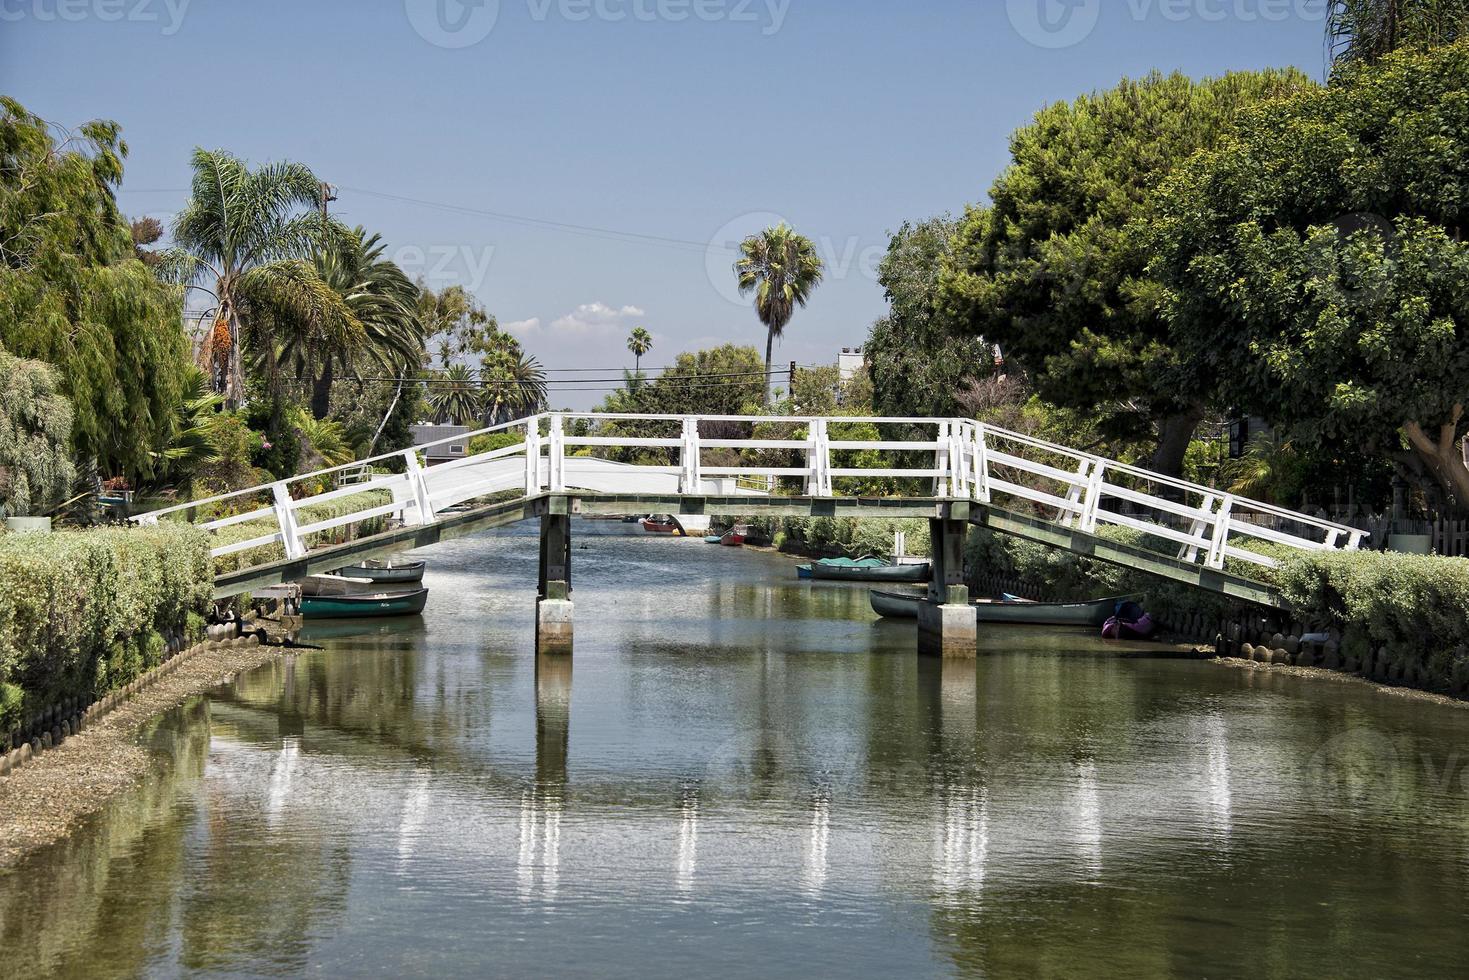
column 954, row 472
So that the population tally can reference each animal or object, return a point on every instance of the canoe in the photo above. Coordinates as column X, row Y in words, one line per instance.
column 387, row 574
column 868, row 573
column 867, row 561
column 895, row 605
column 362, row 606
column 733, row 539
column 659, row 527
column 713, row 539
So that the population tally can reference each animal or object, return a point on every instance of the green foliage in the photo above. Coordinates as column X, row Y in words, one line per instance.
column 847, row 535
column 82, row 613
column 36, row 471
column 918, row 367
column 495, row 440
column 1317, row 261
column 1367, row 30
column 1053, row 272
column 73, row 293
column 639, row 342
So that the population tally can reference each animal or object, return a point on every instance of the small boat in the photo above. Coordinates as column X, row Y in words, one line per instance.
column 894, row 605
column 386, row 573
column 865, row 572
column 363, row 606
column 714, row 539
column 1130, row 622
column 735, row 536
column 656, row 525
column 868, row 561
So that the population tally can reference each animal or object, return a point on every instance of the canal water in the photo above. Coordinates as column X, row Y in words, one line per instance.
column 741, row 773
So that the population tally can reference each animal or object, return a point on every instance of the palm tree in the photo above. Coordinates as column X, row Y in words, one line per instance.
column 454, row 395
column 1365, row 30
column 381, row 298
column 781, row 268
column 515, row 386
column 248, row 231
column 639, row 342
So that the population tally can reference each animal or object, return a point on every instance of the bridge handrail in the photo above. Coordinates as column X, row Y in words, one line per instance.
column 966, row 459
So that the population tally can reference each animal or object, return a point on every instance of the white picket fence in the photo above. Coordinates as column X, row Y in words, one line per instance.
column 949, row 459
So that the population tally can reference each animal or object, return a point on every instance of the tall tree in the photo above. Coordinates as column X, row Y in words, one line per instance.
column 782, row 269
column 74, row 294
column 1052, row 271
column 1367, row 30
column 919, row 367
column 1316, row 264
column 247, row 234
column 639, row 342
column 454, row 395
column 381, row 298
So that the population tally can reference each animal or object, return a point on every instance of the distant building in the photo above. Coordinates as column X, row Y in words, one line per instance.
column 849, row 362
column 456, row 448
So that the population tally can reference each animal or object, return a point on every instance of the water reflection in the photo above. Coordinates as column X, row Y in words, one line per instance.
column 759, row 780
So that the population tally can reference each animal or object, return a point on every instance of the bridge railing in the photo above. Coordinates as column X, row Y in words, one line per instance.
column 952, row 459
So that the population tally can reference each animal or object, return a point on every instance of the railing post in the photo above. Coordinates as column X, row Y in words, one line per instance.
column 556, row 464
column 818, row 462
column 1068, row 518
column 532, row 457
column 1221, row 532
column 958, row 469
column 689, row 478
column 285, row 517
column 981, row 465
column 418, row 485
column 1190, row 553
column 1093, row 501
column 943, row 463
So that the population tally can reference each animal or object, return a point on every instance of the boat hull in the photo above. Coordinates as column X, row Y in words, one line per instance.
column 885, row 573
column 364, row 606
column 1116, row 628
column 397, row 575
column 894, row 605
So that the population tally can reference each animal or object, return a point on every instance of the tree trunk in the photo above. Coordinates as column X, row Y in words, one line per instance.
column 1443, row 458
column 1175, row 432
column 769, row 353
column 321, row 390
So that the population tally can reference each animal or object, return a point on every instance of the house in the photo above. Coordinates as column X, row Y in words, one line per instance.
column 456, row 448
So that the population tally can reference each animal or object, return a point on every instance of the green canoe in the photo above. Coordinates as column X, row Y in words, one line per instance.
column 362, row 606
column 894, row 605
column 870, row 573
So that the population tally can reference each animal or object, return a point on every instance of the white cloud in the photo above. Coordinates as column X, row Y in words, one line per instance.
column 595, row 318
column 522, row 328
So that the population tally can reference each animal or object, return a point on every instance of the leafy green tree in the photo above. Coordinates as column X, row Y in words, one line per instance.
column 1316, row 266
column 73, row 293
column 781, row 268
column 36, row 470
column 455, row 324
column 639, row 342
column 1052, row 271
column 514, row 384
column 917, row 366
column 381, row 298
column 1366, row 30
column 194, row 442
column 249, row 234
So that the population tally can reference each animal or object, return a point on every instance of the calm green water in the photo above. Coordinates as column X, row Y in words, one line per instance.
column 743, row 774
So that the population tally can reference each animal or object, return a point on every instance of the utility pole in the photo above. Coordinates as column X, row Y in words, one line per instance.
column 791, row 384
column 328, row 194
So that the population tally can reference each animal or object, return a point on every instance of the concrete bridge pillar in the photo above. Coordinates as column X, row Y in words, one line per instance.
column 553, row 598
column 947, row 623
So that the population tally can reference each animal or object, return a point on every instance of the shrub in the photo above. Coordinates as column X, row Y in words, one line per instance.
column 36, row 471
column 83, row 612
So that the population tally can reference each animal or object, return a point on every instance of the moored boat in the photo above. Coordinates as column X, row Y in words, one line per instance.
column 660, row 525
column 363, row 606
column 1130, row 622
column 714, row 539
column 735, row 536
column 861, row 572
column 386, row 573
column 894, row 605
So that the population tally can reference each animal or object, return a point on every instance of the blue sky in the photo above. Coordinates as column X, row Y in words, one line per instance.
column 583, row 165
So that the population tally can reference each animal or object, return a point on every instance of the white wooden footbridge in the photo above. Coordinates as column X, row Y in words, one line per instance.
column 955, row 472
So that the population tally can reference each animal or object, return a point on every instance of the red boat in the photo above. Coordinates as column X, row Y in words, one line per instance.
column 659, row 525
column 734, row 537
